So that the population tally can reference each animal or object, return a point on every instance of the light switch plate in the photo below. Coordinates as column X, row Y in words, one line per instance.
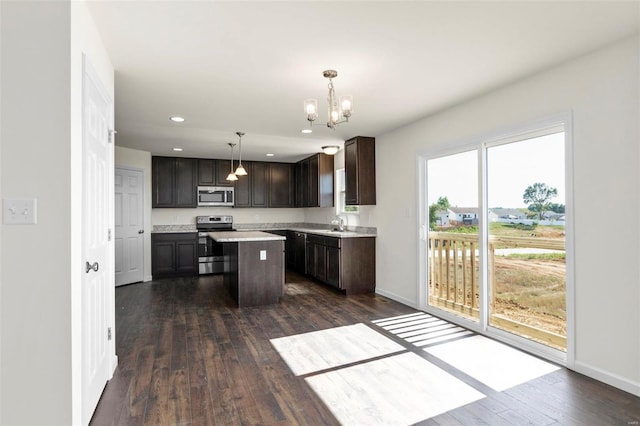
column 19, row 211
column 263, row 255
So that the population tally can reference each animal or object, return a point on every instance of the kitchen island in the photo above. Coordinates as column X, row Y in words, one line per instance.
column 254, row 266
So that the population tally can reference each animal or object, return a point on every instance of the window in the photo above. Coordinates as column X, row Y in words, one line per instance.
column 341, row 207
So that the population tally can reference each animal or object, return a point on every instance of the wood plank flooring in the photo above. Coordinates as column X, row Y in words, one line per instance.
column 188, row 356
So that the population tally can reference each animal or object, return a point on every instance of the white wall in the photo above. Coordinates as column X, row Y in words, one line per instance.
column 40, row 158
column 127, row 157
column 601, row 90
column 36, row 296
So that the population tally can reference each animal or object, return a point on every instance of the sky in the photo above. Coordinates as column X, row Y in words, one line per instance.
column 511, row 169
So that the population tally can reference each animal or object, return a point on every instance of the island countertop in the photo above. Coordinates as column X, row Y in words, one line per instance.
column 244, row 236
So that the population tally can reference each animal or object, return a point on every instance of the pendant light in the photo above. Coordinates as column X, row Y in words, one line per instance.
column 231, row 176
column 240, row 171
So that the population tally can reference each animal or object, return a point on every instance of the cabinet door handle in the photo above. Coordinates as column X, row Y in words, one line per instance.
column 89, row 267
column 141, row 231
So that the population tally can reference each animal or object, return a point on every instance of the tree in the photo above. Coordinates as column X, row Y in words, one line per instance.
column 538, row 195
column 556, row 208
column 443, row 203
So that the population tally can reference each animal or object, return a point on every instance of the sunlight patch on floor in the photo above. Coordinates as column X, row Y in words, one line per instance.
column 422, row 329
column 397, row 390
column 496, row 365
column 319, row 350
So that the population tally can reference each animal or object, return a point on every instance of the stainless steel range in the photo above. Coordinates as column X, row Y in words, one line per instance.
column 210, row 258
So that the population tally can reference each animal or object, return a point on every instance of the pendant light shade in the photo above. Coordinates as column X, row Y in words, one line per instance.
column 240, row 171
column 231, row 176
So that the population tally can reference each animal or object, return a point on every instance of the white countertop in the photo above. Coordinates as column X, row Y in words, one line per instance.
column 244, row 236
column 337, row 234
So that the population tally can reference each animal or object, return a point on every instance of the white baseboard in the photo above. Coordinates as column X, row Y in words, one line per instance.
column 397, row 298
column 608, row 378
column 148, row 278
column 114, row 365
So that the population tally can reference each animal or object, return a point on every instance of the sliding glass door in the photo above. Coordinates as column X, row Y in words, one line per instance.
column 494, row 249
column 526, row 245
column 453, row 244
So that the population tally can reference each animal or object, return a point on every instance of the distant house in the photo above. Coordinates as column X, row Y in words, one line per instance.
column 463, row 215
column 552, row 216
column 442, row 217
column 500, row 214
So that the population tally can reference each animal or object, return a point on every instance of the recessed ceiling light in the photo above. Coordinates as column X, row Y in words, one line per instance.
column 177, row 149
column 270, row 155
column 176, row 119
column 306, row 131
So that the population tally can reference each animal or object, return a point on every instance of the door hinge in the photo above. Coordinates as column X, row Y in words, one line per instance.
column 109, row 333
column 109, row 234
column 112, row 135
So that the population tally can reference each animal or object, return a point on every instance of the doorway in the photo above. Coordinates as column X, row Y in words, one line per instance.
column 129, row 225
column 494, row 256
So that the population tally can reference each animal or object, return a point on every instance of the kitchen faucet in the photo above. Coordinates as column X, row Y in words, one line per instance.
column 338, row 224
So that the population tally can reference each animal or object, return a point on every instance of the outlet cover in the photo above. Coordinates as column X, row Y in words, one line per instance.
column 19, row 211
column 263, row 255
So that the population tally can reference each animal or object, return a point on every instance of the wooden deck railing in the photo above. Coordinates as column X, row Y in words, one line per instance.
column 454, row 277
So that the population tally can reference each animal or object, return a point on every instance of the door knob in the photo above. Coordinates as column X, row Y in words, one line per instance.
column 141, row 231
column 93, row 267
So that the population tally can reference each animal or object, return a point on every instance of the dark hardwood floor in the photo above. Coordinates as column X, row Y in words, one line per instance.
column 188, row 356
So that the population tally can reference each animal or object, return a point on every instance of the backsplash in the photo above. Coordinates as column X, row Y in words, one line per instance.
column 265, row 227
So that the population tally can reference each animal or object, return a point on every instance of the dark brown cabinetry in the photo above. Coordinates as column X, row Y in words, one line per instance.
column 345, row 263
column 360, row 171
column 250, row 280
column 281, row 184
column 174, row 182
column 297, row 259
column 259, row 180
column 213, row 172
column 314, row 181
column 266, row 185
column 174, row 254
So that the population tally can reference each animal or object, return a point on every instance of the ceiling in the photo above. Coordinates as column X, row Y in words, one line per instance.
column 228, row 66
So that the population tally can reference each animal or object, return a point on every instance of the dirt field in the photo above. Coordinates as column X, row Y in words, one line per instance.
column 532, row 292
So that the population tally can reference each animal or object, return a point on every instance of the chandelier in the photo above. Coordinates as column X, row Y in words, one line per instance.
column 338, row 110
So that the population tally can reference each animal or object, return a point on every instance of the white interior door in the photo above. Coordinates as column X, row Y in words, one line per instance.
column 96, row 245
column 129, row 226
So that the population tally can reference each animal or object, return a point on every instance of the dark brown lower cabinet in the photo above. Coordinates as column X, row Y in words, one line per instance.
column 346, row 263
column 298, row 252
column 174, row 254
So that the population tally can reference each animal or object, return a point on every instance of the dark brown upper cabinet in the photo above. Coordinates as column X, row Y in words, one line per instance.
column 266, row 185
column 213, row 172
column 314, row 181
column 360, row 171
column 259, row 175
column 281, row 184
column 174, row 182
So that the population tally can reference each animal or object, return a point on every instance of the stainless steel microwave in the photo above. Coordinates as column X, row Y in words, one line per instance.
column 215, row 196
